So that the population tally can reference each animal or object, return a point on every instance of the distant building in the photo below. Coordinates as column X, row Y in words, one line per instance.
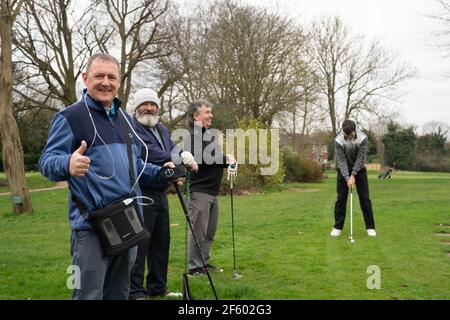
column 319, row 153
column 314, row 146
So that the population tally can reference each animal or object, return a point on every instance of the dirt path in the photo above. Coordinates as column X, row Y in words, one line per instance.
column 59, row 185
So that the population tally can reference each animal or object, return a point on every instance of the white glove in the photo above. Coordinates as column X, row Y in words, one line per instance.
column 187, row 158
column 232, row 171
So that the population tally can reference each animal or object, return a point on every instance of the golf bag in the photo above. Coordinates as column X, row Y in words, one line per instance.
column 386, row 174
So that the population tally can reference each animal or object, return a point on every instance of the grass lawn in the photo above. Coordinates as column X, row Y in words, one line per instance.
column 283, row 247
column 34, row 181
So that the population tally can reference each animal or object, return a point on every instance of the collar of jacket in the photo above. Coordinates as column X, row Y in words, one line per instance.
column 196, row 129
column 97, row 105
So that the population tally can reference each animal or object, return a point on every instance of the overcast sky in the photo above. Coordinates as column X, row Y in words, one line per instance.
column 401, row 25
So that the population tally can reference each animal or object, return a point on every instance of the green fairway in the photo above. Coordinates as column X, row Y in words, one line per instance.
column 283, row 247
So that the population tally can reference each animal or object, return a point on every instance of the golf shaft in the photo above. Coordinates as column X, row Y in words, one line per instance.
column 187, row 198
column 183, row 205
column 232, row 225
column 351, row 213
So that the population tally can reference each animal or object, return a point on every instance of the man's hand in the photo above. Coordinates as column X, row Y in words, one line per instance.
column 230, row 158
column 172, row 173
column 79, row 164
column 189, row 161
column 351, row 182
column 193, row 167
column 187, row 158
column 170, row 165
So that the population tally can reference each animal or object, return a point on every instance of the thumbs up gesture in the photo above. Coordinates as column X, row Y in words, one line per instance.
column 79, row 164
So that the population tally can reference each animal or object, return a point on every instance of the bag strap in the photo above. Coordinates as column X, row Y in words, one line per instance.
column 126, row 137
column 81, row 207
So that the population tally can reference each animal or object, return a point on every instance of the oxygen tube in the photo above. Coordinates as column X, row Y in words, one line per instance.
column 96, row 134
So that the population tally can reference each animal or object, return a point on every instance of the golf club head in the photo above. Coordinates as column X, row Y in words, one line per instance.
column 236, row 275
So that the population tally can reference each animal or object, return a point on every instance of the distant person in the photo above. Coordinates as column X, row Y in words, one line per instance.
column 86, row 148
column 351, row 149
column 155, row 251
column 386, row 174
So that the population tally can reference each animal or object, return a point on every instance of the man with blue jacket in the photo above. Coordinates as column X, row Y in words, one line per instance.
column 156, row 216
column 86, row 148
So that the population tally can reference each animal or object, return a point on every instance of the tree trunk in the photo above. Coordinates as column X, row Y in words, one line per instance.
column 332, row 112
column 12, row 151
column 294, row 129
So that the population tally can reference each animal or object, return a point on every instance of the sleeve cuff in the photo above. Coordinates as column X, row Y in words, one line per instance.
column 67, row 173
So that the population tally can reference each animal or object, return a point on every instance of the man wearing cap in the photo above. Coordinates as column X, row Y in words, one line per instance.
column 156, row 216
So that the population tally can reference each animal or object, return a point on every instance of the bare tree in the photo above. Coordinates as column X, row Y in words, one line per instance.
column 255, row 61
column 439, row 127
column 54, row 41
column 170, row 73
column 244, row 59
column 309, row 110
column 442, row 35
column 353, row 77
column 304, row 116
column 136, row 34
column 11, row 145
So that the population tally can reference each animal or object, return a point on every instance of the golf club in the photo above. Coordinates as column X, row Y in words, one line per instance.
column 231, row 177
column 351, row 216
column 188, row 220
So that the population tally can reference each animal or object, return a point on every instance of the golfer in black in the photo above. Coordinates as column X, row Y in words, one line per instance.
column 205, row 184
column 351, row 148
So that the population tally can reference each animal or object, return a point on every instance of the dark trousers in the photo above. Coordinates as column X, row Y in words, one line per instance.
column 362, row 186
column 155, row 251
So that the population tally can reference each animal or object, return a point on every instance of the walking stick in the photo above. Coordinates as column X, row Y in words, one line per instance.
column 188, row 220
column 186, row 287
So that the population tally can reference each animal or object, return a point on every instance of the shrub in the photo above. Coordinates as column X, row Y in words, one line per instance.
column 291, row 165
column 31, row 161
column 300, row 169
column 433, row 162
column 249, row 175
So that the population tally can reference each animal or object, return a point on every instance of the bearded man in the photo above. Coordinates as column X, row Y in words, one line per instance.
column 156, row 137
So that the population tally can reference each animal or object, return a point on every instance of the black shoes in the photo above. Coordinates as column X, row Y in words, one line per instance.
column 214, row 268
column 201, row 271
column 196, row 272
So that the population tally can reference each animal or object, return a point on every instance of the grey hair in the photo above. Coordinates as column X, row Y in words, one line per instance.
column 103, row 57
column 193, row 108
